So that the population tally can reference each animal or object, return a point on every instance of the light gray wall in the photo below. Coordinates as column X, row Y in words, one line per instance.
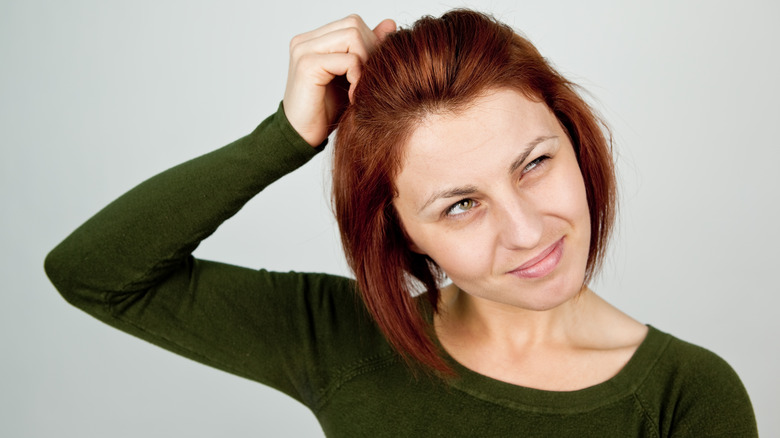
column 97, row 95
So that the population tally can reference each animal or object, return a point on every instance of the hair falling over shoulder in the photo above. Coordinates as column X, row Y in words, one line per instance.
column 441, row 65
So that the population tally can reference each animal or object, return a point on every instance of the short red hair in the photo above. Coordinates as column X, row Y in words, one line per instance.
column 441, row 64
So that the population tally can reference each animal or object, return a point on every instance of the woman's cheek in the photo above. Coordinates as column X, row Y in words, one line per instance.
column 464, row 254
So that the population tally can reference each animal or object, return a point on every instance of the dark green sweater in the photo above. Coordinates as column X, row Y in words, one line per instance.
column 308, row 336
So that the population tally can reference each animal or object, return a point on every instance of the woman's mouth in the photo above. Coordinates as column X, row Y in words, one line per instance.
column 542, row 264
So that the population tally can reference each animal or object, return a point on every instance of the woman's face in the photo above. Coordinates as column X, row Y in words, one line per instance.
column 494, row 195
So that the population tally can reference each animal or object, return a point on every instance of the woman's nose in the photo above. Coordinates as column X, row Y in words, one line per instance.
column 519, row 225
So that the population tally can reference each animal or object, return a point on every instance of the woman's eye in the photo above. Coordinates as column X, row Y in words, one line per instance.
column 460, row 207
column 530, row 166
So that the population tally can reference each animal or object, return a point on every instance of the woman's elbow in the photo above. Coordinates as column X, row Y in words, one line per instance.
column 68, row 276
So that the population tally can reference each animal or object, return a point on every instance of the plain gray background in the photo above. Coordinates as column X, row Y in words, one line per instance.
column 96, row 96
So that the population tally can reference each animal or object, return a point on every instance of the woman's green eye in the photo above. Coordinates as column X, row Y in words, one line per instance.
column 535, row 163
column 461, row 207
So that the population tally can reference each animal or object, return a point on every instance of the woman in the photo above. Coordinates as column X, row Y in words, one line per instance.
column 460, row 154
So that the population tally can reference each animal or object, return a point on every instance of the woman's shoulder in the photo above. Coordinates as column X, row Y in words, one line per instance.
column 688, row 361
column 690, row 389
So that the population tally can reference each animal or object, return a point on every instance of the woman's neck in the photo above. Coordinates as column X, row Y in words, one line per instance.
column 483, row 320
column 579, row 343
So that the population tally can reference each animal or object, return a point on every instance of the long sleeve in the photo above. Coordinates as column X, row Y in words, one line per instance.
column 131, row 267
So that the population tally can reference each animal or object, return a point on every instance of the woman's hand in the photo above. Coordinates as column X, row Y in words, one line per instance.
column 319, row 61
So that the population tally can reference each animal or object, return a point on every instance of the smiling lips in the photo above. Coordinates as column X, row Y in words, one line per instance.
column 542, row 264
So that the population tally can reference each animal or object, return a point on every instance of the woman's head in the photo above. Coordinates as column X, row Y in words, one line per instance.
column 442, row 67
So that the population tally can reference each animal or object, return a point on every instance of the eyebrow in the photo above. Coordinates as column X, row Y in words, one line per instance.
column 471, row 189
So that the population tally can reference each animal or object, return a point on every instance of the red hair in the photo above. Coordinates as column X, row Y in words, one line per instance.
column 441, row 64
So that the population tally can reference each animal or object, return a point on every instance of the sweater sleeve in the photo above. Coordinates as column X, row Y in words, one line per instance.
column 131, row 267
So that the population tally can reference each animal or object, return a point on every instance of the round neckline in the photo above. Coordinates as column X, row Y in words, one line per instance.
column 625, row 382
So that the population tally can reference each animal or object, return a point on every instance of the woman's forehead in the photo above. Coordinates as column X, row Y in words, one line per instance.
column 494, row 123
column 474, row 148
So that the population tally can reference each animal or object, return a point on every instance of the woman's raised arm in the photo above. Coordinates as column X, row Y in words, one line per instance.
column 131, row 266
